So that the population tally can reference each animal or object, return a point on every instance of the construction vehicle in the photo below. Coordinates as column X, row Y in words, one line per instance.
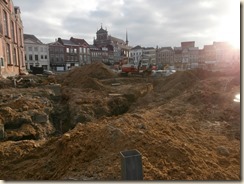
column 133, row 69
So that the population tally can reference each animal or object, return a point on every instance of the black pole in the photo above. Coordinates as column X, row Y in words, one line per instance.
column 131, row 165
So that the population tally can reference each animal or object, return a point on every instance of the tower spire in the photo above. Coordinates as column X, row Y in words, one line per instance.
column 126, row 38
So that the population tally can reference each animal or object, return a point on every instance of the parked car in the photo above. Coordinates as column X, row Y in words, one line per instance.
column 48, row 72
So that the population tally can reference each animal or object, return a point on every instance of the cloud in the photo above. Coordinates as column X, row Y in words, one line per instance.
column 149, row 23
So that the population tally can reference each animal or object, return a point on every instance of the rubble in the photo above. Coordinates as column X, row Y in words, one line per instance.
column 186, row 126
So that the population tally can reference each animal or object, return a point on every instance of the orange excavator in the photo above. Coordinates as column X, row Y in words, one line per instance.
column 133, row 69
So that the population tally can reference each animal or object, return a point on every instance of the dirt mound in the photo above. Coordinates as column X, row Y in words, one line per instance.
column 86, row 76
column 186, row 126
column 6, row 83
column 170, row 151
column 177, row 82
column 25, row 113
column 85, row 83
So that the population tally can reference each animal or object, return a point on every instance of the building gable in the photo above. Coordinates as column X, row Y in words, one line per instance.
column 29, row 41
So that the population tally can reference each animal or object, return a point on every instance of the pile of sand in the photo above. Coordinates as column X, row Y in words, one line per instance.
column 186, row 127
column 170, row 151
column 86, row 76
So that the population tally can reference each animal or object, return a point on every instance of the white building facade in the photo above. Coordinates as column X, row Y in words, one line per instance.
column 36, row 53
column 136, row 54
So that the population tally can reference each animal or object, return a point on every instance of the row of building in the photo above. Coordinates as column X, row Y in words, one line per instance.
column 20, row 51
column 219, row 55
column 64, row 54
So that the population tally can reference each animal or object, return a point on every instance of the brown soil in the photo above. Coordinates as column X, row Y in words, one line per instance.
column 186, row 126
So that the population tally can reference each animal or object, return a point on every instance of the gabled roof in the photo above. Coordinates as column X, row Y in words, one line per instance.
column 79, row 41
column 56, row 43
column 117, row 40
column 33, row 38
column 136, row 47
column 66, row 42
column 166, row 48
column 148, row 48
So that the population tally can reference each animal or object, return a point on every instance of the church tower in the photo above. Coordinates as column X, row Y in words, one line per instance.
column 126, row 38
column 102, row 37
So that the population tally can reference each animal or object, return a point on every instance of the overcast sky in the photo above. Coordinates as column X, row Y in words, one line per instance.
column 148, row 22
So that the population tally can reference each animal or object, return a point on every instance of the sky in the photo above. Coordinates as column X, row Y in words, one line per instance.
column 149, row 23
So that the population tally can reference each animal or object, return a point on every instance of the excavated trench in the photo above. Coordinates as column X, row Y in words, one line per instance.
column 62, row 116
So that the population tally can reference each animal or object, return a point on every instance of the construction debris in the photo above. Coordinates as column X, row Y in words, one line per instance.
column 73, row 126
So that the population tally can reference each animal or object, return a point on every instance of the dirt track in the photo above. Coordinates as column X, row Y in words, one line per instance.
column 186, row 126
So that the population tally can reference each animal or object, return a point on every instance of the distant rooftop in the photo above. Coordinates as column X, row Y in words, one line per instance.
column 32, row 38
column 66, row 42
column 79, row 41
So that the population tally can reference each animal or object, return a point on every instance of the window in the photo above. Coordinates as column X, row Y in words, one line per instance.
column 14, row 57
column 5, row 20
column 75, row 50
column 45, row 56
column 36, row 49
column 1, row 62
column 21, row 61
column 8, row 53
column 30, row 57
column 20, row 37
column 36, row 57
column 67, row 50
column 30, row 48
column 41, row 49
column 12, row 31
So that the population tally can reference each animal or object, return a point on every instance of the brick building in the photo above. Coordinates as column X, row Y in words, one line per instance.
column 56, row 55
column 11, row 40
column 71, row 53
column 84, row 50
column 165, row 56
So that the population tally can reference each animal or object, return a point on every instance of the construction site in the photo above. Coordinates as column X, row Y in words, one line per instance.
column 74, row 125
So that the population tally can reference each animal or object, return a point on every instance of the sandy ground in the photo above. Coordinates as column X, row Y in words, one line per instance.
column 73, row 126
